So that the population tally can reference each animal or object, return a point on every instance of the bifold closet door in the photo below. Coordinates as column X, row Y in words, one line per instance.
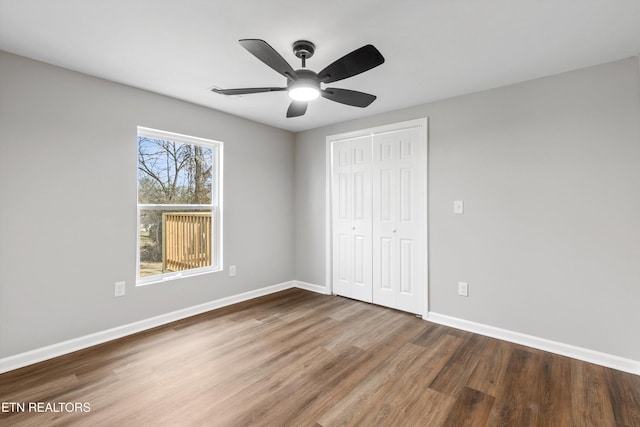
column 399, row 229
column 352, row 214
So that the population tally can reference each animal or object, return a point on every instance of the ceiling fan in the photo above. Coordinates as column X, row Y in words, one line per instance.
column 303, row 85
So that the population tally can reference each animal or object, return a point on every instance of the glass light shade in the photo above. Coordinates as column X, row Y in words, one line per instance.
column 304, row 93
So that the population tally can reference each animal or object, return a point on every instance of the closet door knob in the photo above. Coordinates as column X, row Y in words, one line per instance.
column 353, row 228
column 393, row 231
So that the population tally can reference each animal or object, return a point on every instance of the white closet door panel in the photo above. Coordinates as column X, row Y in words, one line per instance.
column 385, row 195
column 406, row 266
column 352, row 211
column 343, row 195
column 384, row 272
column 361, row 219
column 361, row 283
column 411, row 227
column 385, row 263
column 398, row 219
column 341, row 270
column 406, row 195
column 342, row 212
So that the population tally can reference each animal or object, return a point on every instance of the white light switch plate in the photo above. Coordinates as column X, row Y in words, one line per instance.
column 232, row 270
column 458, row 206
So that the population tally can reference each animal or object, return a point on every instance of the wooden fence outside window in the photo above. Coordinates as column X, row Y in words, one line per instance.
column 186, row 240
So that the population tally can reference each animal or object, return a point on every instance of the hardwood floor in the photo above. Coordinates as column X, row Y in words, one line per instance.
column 296, row 358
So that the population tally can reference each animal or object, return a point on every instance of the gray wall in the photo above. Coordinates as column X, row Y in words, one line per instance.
column 549, row 171
column 68, row 204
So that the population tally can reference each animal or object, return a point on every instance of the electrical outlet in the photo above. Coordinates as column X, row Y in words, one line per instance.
column 120, row 289
column 463, row 289
column 232, row 270
column 458, row 206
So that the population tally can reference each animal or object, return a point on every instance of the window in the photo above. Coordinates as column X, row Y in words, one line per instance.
column 179, row 205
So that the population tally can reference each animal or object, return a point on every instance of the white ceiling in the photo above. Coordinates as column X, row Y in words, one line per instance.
column 434, row 49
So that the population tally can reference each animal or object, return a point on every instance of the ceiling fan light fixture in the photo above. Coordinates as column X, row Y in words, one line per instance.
column 306, row 87
column 304, row 93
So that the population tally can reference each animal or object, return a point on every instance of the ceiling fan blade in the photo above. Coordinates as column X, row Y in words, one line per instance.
column 297, row 108
column 265, row 53
column 246, row 91
column 354, row 63
column 348, row 97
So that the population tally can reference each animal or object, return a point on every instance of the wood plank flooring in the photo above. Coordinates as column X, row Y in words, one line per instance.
column 296, row 358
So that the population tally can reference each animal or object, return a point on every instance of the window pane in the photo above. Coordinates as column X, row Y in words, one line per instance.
column 173, row 240
column 171, row 172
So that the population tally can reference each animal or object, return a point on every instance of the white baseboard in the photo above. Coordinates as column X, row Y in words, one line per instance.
column 38, row 355
column 587, row 355
column 311, row 287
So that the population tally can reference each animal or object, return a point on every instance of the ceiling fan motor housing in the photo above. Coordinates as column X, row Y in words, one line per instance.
column 305, row 78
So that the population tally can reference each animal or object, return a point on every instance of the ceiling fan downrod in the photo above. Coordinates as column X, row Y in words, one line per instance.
column 304, row 49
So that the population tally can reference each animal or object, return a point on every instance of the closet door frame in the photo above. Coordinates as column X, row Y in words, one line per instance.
column 422, row 125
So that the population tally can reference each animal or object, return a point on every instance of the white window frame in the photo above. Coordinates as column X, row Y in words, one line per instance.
column 215, row 206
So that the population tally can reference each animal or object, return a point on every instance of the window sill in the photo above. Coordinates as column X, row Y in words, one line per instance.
column 175, row 276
